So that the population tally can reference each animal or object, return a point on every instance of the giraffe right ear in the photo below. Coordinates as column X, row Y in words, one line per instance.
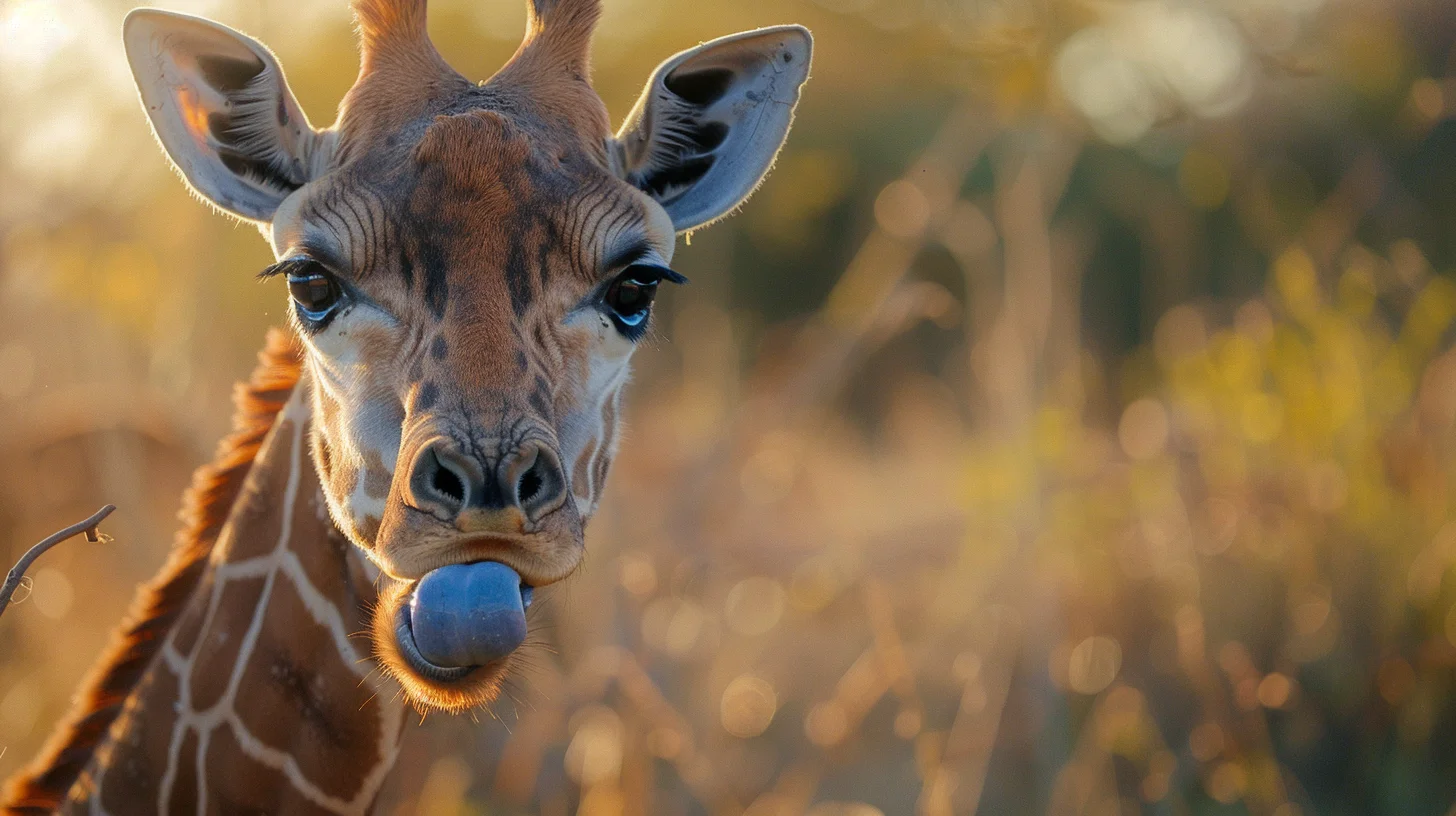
column 711, row 120
column 223, row 112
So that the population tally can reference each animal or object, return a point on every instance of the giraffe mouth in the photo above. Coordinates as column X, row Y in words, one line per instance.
column 460, row 618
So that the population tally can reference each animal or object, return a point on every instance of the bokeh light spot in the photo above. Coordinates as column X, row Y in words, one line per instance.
column 1275, row 690
column 1206, row 741
column 1428, row 98
column 1143, row 430
column 53, row 593
column 638, row 575
column 748, row 706
column 1093, row 664
column 1227, row 782
column 815, row 584
column 754, row 605
column 673, row 625
column 902, row 209
column 594, row 754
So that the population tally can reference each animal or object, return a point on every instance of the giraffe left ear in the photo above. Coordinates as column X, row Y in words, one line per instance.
column 711, row 120
column 223, row 112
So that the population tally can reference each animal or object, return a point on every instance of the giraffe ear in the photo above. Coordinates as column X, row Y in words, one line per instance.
column 223, row 112
column 708, row 125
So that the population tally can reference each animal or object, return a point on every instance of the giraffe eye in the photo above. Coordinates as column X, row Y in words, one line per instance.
column 314, row 290
column 630, row 296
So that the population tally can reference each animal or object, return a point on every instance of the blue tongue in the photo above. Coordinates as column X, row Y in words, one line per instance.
column 469, row 614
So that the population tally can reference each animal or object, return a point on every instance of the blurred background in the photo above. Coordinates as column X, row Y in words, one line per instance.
column 1065, row 427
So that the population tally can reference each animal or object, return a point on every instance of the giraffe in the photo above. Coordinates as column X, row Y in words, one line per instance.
column 470, row 267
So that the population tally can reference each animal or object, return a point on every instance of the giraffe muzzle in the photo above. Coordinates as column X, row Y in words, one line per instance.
column 525, row 483
column 461, row 617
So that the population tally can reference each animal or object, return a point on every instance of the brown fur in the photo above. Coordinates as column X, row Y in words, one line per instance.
column 553, row 67
column 382, row 21
column 43, row 786
column 564, row 27
column 399, row 71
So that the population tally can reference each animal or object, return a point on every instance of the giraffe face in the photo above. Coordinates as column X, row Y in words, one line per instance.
column 467, row 305
column 467, row 346
column 470, row 268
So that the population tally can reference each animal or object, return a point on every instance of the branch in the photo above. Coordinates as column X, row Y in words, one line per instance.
column 17, row 573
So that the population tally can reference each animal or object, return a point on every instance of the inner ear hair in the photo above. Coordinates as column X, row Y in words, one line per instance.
column 682, row 151
column 701, row 87
column 228, row 74
column 246, row 134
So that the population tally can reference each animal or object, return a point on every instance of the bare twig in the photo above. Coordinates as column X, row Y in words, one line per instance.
column 88, row 527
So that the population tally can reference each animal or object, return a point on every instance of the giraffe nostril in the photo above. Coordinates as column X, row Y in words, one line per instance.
column 441, row 479
column 539, row 489
column 530, row 486
column 448, row 484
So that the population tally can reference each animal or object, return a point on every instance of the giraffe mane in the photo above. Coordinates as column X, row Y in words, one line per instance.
column 43, row 786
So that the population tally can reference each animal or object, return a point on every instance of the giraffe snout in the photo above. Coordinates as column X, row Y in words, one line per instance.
column 481, row 496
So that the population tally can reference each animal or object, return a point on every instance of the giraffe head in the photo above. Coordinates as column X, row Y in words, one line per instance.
column 470, row 267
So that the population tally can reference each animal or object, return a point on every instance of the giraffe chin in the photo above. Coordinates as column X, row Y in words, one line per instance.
column 466, row 626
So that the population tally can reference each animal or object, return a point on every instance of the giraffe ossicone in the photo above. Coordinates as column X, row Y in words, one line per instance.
column 470, row 267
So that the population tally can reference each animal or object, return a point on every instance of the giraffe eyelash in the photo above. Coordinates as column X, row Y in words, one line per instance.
column 653, row 273
column 287, row 266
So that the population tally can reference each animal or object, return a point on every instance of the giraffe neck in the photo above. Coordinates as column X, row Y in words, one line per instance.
column 264, row 697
